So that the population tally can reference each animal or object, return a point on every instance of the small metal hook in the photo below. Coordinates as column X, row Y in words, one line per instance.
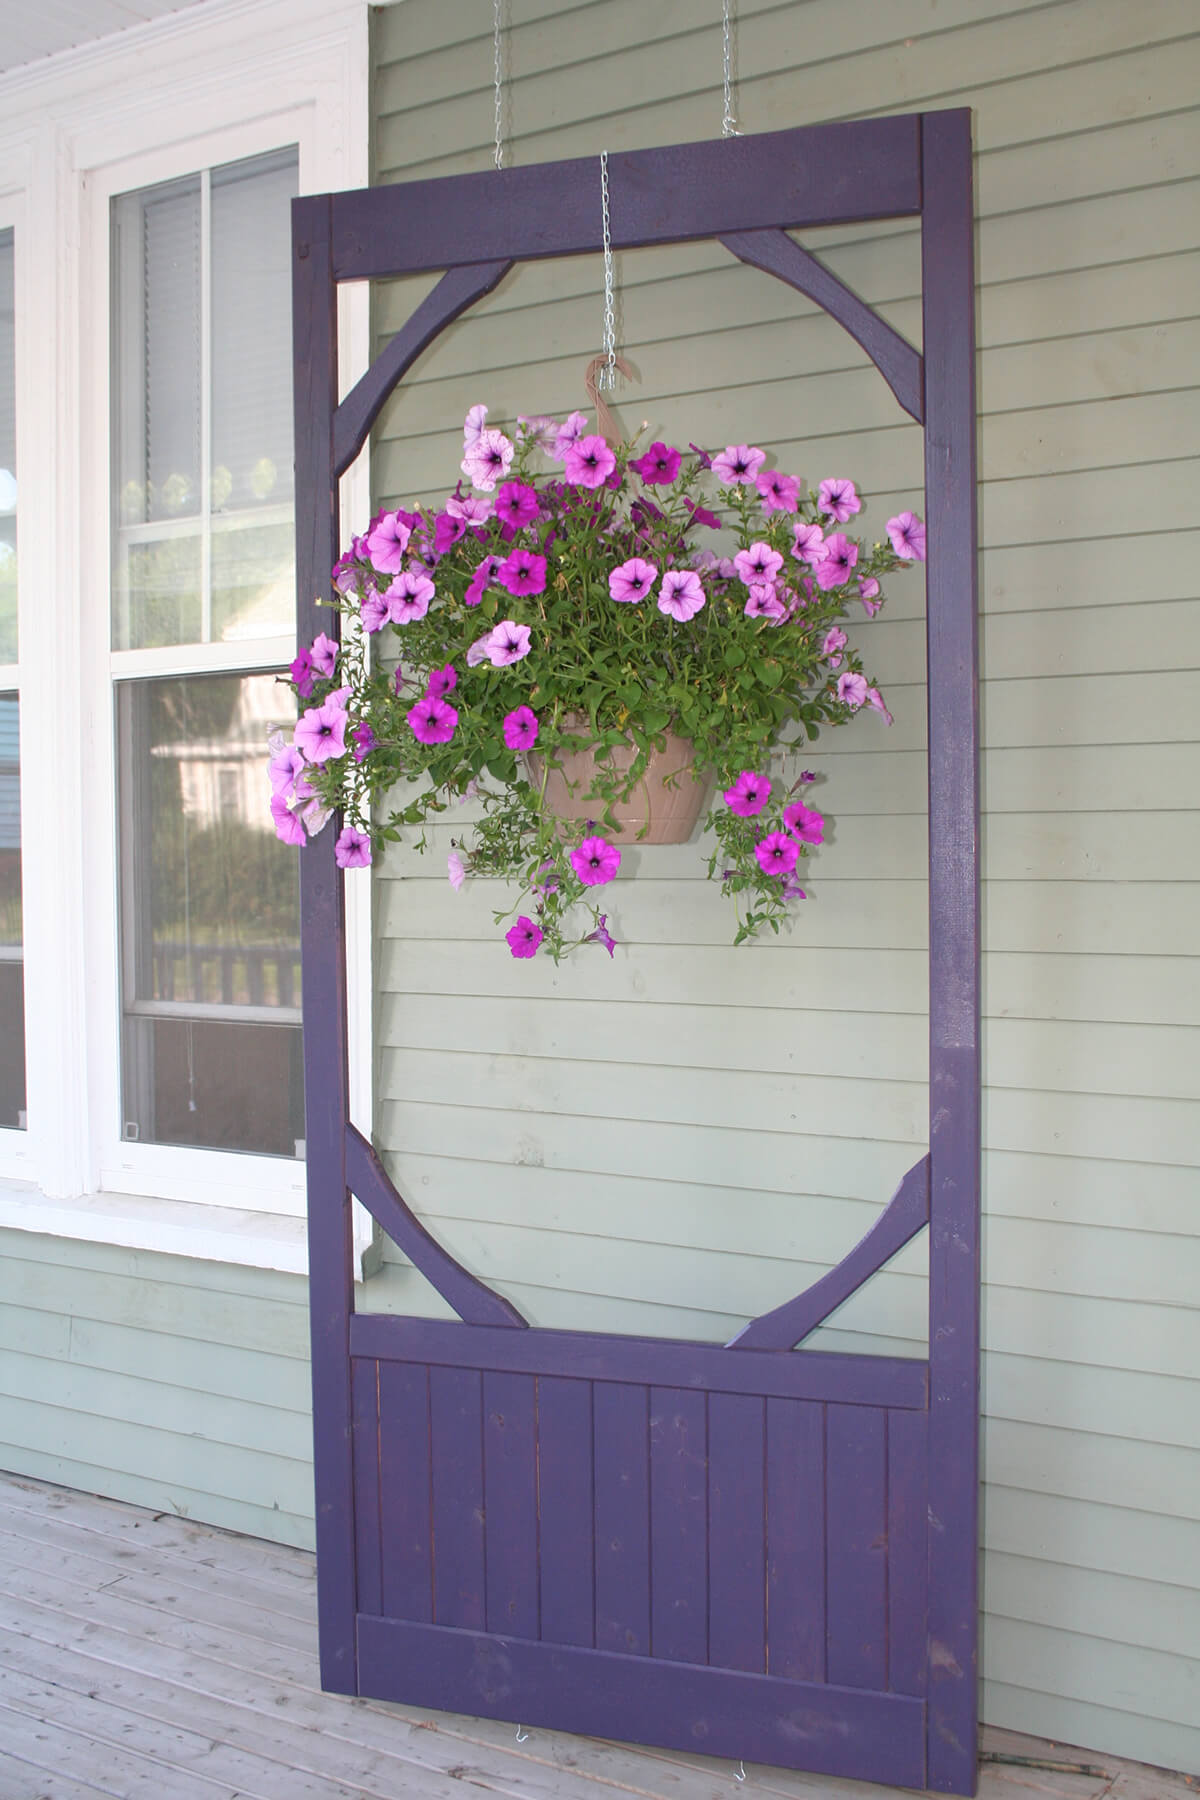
column 522, row 1734
column 741, row 1774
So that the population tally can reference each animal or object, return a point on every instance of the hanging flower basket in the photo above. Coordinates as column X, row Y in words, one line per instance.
column 581, row 649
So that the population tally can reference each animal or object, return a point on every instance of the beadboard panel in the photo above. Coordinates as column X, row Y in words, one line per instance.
column 678, row 1137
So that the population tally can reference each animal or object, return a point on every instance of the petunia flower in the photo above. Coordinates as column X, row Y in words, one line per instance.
column 869, row 594
column 506, row 643
column 474, row 509
column 777, row 854
column 602, row 935
column 778, row 493
column 875, row 699
column 483, row 577
column 539, row 432
column 808, row 543
column 301, row 671
column 839, row 559
column 478, row 652
column 373, row 611
column 804, row 823
column 448, row 527
column 364, row 741
column 432, row 721
column 834, row 644
column 517, row 504
column 456, row 870
column 908, row 536
column 321, row 732
column 283, row 768
column 701, row 515
column 659, row 466
column 521, row 728
column 738, row 464
column 595, row 861
column 524, row 937
column 633, row 580
column 791, row 889
column 473, row 425
column 681, row 595
column 353, row 849
column 838, row 498
column 288, row 828
column 487, row 460
column 569, row 433
column 589, row 461
column 386, row 543
column 852, row 689
column 441, row 682
column 408, row 597
column 749, row 794
column 324, row 655
column 522, row 572
column 758, row 563
column 764, row 603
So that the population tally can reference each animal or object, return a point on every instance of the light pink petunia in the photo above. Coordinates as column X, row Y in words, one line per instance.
column 758, row 563
column 507, row 643
column 875, row 699
column 749, row 794
column 738, row 464
column 908, row 536
column 488, row 460
column 353, row 849
column 778, row 493
column 288, row 828
column 539, row 432
column 633, row 580
column 589, row 461
column 570, row 433
column 837, row 564
column 478, row 652
column 681, row 595
column 777, row 853
column 852, row 689
column 456, row 870
column 321, row 732
column 473, row 425
column 408, row 597
column 808, row 543
column 473, row 509
column 595, row 861
column 838, row 498
column 387, row 542
column 804, row 823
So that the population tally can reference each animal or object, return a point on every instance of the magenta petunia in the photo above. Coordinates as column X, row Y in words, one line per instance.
column 432, row 721
column 521, row 728
column 364, row 741
column 778, row 493
column 908, row 536
column 353, row 849
column 837, row 564
column 839, row 499
column 738, row 464
column 749, row 794
column 633, row 580
column 408, row 597
column 869, row 594
column 522, row 572
column 387, row 541
column 441, row 682
column 324, row 655
column 517, row 504
column 487, row 460
column 321, row 732
column 507, row 643
column 301, row 671
column 659, row 466
column 681, row 595
column 288, row 828
column 448, row 527
column 595, row 861
column 808, row 544
column 602, row 935
column 701, row 515
column 483, row 577
column 758, row 563
column 524, row 937
column 589, row 462
column 804, row 823
column 777, row 853
column 852, row 689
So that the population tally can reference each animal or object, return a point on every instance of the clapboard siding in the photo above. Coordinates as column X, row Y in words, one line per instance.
column 680, row 1137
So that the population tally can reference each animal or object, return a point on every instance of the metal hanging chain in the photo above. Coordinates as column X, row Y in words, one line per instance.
column 729, row 126
column 497, row 9
column 607, row 377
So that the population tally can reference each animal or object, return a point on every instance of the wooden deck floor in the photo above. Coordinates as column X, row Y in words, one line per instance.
column 152, row 1659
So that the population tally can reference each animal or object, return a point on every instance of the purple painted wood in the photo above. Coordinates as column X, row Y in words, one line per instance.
column 954, row 1006
column 814, row 1375
column 679, row 1524
column 720, row 1712
column 829, row 174
column 363, row 404
column 566, row 1506
column 895, row 358
column 737, row 1592
column 901, row 1219
column 510, row 1490
column 796, row 1539
column 621, row 1461
column 405, row 1482
column 856, row 1508
column 456, row 1453
column 472, row 1299
column 322, row 939
column 368, row 1545
column 906, row 1487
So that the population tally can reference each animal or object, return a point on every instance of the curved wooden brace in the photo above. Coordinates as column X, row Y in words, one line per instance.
column 900, row 1220
column 777, row 254
column 453, row 294
column 473, row 1301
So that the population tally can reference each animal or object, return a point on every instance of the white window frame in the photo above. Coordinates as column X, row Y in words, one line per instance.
column 194, row 90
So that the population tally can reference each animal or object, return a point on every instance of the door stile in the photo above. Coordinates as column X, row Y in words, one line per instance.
column 322, row 940
column 948, row 309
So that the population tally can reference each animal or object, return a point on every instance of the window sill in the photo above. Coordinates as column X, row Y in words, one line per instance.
column 175, row 1227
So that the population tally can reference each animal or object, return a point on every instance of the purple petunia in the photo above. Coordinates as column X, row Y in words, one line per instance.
column 852, row 689
column 778, row 493
column 387, row 541
column 749, row 794
column 506, row 643
column 487, row 460
column 353, row 849
column 483, row 577
column 738, row 464
column 568, row 434
column 364, row 741
column 838, row 562
column 868, row 593
column 524, row 937
column 595, row 861
column 839, row 499
column 321, row 732
column 283, row 769
column 301, row 671
column 324, row 655
column 602, row 935
column 407, row 598
column 441, row 682
column 659, row 466
column 432, row 721
column 473, row 509
column 521, row 728
column 633, row 580
column 777, row 854
column 764, row 603
column 758, row 563
column 908, row 536
column 473, row 425
column 589, row 462
column 701, row 515
column 288, row 828
column 681, row 595
column 808, row 543
column 517, row 504
column 448, row 527
column 804, row 823
column 522, row 572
